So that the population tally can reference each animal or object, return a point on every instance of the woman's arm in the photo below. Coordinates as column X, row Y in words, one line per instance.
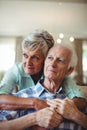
column 8, row 102
column 80, row 102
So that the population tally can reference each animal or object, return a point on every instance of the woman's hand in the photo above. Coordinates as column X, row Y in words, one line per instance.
column 40, row 104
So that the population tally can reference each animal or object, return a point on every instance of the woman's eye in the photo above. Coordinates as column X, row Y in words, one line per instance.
column 35, row 58
column 25, row 56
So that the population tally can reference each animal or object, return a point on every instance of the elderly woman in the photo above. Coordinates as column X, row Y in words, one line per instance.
column 26, row 74
column 58, row 64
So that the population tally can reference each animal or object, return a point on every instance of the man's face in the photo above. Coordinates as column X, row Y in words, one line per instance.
column 32, row 61
column 56, row 63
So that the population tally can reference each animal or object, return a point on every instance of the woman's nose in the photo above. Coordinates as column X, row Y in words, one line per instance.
column 29, row 61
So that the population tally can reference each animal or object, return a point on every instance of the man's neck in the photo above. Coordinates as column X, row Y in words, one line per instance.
column 52, row 85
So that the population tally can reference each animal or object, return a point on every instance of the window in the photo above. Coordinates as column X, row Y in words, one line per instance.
column 84, row 62
column 7, row 53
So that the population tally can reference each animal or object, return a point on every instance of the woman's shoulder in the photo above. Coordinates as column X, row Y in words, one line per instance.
column 19, row 67
column 68, row 81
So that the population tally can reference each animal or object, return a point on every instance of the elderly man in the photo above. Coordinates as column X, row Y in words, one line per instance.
column 59, row 63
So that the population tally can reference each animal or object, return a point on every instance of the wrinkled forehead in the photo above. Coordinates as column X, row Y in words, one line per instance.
column 59, row 51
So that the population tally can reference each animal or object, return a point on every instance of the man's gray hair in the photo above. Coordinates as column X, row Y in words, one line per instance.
column 38, row 40
column 74, row 59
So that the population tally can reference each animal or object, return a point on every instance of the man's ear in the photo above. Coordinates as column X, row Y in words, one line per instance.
column 70, row 70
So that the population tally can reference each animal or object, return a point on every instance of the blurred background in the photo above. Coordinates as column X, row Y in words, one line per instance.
column 66, row 20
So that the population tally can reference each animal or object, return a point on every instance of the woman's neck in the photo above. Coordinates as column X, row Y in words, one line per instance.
column 36, row 77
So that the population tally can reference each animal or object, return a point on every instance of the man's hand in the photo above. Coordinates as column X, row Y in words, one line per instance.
column 48, row 118
column 66, row 107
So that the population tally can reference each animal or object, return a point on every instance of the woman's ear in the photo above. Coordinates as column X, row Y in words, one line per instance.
column 70, row 70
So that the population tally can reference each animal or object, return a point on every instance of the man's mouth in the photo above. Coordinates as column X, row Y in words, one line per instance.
column 52, row 70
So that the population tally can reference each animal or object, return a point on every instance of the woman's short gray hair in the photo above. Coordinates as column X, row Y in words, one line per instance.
column 38, row 40
column 74, row 59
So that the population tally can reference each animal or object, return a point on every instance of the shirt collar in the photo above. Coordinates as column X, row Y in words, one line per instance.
column 40, row 89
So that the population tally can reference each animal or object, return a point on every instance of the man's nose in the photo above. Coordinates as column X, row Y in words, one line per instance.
column 53, row 62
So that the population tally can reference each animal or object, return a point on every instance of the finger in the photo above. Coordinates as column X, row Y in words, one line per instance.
column 55, row 100
column 55, row 110
column 53, row 103
column 52, row 108
column 58, row 100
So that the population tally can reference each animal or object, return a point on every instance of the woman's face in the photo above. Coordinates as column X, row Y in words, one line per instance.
column 32, row 61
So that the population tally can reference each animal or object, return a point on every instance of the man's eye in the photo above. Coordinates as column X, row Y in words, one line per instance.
column 61, row 60
column 49, row 57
